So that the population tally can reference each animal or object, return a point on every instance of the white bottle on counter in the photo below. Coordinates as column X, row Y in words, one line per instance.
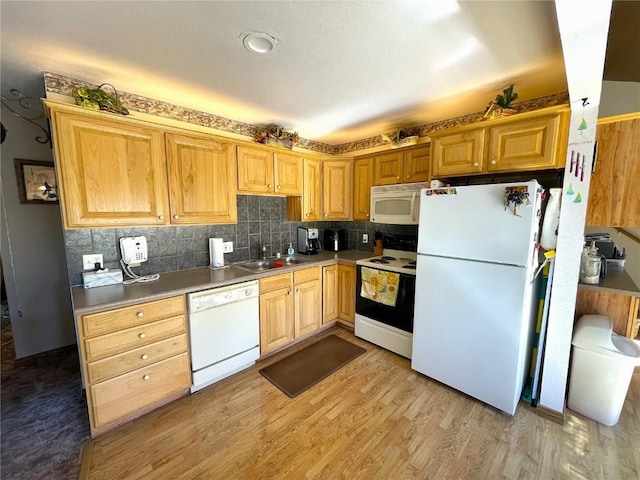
column 290, row 250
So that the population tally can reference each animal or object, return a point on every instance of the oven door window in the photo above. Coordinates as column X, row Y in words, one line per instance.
column 400, row 315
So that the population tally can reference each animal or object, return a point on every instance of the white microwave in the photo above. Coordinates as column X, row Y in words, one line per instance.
column 396, row 204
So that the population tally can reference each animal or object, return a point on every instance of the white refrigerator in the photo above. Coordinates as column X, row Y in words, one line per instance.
column 475, row 297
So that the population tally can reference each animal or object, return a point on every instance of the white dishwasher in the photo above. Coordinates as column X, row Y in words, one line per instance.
column 224, row 331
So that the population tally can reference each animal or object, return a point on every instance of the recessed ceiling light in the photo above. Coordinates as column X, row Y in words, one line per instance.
column 259, row 43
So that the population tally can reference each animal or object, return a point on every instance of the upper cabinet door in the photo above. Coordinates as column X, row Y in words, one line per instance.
column 255, row 170
column 416, row 165
column 202, row 175
column 362, row 188
column 527, row 145
column 337, row 189
column 614, row 196
column 288, row 174
column 312, row 186
column 458, row 153
column 111, row 172
column 388, row 169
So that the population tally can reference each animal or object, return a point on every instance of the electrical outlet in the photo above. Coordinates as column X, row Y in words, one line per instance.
column 227, row 247
column 365, row 238
column 89, row 261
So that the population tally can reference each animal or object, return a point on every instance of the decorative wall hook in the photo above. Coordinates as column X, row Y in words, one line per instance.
column 27, row 104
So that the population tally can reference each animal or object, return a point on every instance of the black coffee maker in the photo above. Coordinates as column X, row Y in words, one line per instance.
column 308, row 241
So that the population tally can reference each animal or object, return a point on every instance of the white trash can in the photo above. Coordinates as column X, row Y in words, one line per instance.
column 601, row 369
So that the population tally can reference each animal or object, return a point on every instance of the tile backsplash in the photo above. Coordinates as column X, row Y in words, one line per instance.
column 262, row 220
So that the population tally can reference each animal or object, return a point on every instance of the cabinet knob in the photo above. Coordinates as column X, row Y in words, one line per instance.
column 307, row 215
column 278, row 187
column 493, row 162
column 397, row 178
column 160, row 217
column 140, row 314
column 326, row 214
column 408, row 176
column 176, row 217
column 144, row 356
column 142, row 335
column 270, row 186
column 298, row 290
column 367, row 214
column 289, row 292
column 146, row 377
column 475, row 164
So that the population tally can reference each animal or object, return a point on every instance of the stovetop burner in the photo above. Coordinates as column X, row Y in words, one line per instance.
column 388, row 257
column 409, row 267
column 379, row 260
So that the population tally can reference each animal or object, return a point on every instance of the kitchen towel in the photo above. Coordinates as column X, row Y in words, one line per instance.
column 216, row 255
column 380, row 286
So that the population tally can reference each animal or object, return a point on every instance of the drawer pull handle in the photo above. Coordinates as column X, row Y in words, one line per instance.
column 475, row 164
column 146, row 377
column 144, row 356
column 140, row 314
column 142, row 335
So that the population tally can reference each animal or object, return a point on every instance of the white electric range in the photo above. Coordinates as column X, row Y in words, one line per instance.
column 389, row 326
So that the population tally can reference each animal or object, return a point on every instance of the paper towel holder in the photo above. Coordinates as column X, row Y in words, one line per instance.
column 216, row 254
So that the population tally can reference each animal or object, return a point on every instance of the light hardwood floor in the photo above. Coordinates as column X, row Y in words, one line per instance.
column 373, row 419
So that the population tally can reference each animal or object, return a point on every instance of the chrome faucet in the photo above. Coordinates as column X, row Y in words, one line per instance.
column 264, row 251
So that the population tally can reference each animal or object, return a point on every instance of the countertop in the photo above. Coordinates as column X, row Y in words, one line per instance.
column 616, row 281
column 86, row 300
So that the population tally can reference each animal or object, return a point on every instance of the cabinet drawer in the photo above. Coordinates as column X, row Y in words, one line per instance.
column 306, row 275
column 140, row 357
column 127, row 393
column 118, row 342
column 118, row 318
column 276, row 282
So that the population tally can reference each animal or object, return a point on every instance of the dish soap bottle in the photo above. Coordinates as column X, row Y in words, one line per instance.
column 290, row 250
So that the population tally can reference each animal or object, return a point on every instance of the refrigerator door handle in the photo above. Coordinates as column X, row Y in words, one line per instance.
column 413, row 206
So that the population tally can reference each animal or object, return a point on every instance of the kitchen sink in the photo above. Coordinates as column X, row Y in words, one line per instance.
column 271, row 263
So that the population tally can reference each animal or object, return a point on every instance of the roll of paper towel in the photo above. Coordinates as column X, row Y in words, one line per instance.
column 216, row 254
column 437, row 184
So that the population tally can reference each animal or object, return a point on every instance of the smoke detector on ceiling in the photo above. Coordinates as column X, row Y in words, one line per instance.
column 259, row 43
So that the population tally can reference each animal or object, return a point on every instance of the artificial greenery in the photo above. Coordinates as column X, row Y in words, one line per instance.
column 507, row 97
column 98, row 99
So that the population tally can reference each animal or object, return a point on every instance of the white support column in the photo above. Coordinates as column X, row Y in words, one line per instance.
column 584, row 28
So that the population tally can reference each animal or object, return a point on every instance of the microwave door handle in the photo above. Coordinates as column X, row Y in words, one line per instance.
column 413, row 207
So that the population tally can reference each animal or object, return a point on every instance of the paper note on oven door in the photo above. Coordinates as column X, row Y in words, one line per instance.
column 380, row 286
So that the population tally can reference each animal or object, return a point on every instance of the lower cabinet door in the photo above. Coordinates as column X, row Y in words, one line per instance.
column 308, row 307
column 124, row 395
column 276, row 319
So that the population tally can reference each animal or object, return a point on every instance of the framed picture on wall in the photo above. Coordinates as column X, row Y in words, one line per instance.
column 36, row 181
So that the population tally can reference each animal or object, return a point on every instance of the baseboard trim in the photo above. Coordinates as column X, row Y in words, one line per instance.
column 544, row 412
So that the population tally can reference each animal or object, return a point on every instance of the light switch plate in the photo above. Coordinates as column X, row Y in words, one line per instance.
column 365, row 238
column 227, row 247
column 89, row 261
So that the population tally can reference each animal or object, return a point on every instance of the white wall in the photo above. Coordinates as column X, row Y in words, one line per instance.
column 618, row 98
column 32, row 249
column 583, row 31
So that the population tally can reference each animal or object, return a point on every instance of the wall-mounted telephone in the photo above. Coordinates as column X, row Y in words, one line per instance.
column 133, row 249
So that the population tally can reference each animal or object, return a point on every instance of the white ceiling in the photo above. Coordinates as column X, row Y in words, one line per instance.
column 343, row 70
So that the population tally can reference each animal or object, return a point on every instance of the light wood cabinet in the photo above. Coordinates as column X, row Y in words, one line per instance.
column 329, row 294
column 111, row 172
column 290, row 307
column 622, row 309
column 362, row 177
column 347, row 293
column 263, row 171
column 402, row 166
column 527, row 141
column 114, row 171
column 134, row 359
column 202, row 175
column 614, row 195
column 337, row 188
column 308, row 207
